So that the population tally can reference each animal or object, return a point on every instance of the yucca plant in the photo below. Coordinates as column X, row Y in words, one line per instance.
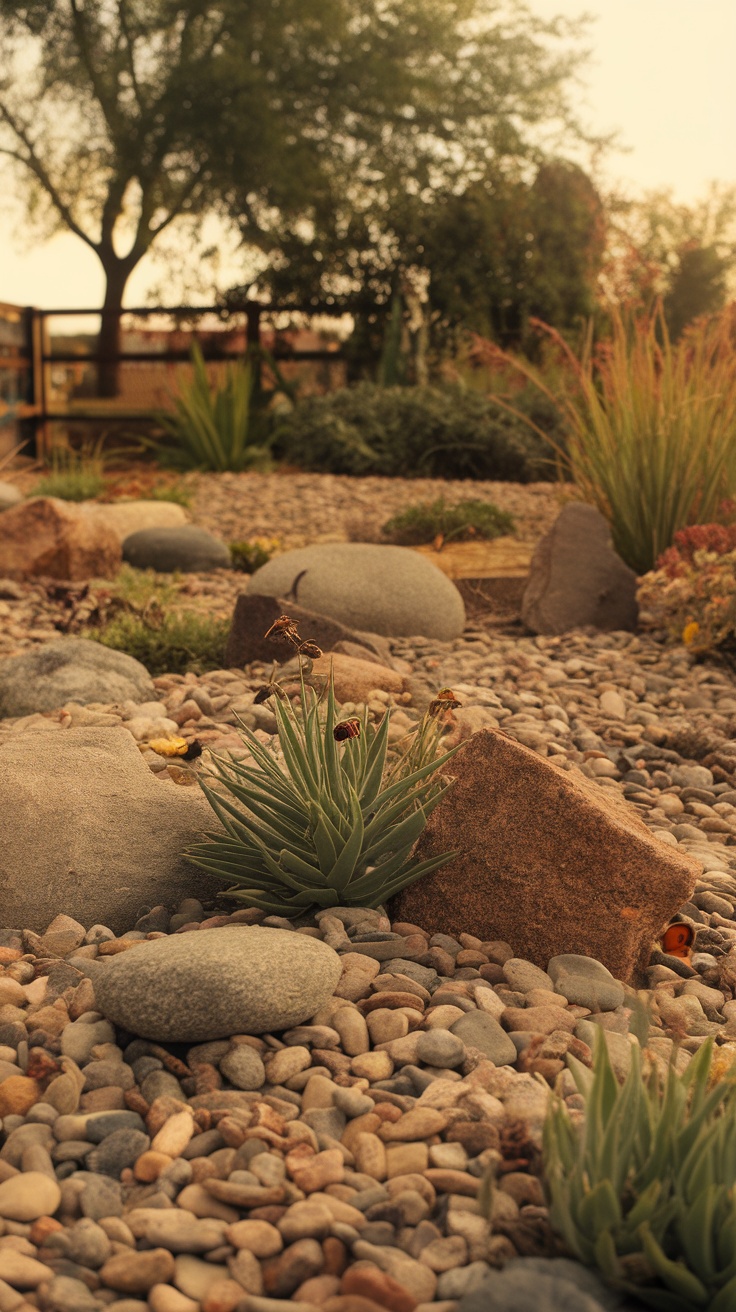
column 331, row 824
column 649, row 426
column 646, row 1188
column 212, row 427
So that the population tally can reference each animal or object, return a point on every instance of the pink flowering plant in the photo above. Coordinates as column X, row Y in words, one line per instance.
column 691, row 592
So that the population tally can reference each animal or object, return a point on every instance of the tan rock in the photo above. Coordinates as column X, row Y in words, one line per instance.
column 17, row 1095
column 355, row 679
column 126, row 517
column 136, row 1273
column 49, row 537
column 550, row 862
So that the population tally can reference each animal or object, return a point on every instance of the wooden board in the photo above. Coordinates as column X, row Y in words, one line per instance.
column 502, row 558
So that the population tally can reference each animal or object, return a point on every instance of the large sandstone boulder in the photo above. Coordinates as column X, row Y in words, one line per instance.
column 549, row 861
column 576, row 578
column 186, row 548
column 128, row 517
column 89, row 831
column 255, row 613
column 388, row 590
column 208, row 985
column 55, row 539
column 70, row 670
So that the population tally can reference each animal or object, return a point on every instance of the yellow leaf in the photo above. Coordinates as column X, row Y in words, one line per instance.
column 690, row 632
column 169, row 746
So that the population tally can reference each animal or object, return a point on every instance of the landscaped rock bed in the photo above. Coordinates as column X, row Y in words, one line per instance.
column 162, row 1149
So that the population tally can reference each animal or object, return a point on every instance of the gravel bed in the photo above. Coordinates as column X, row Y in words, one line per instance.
column 336, row 1165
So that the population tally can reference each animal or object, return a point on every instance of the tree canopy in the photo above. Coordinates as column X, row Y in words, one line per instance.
column 316, row 120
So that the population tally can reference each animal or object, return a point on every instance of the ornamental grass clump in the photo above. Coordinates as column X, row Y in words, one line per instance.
column 645, row 1189
column 649, row 426
column 332, row 823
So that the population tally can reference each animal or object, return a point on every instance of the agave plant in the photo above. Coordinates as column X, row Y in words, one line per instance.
column 329, row 825
column 212, row 427
column 646, row 1189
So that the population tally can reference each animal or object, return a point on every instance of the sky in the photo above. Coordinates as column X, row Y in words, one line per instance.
column 661, row 74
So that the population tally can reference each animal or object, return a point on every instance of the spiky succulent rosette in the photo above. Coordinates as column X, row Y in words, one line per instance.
column 329, row 825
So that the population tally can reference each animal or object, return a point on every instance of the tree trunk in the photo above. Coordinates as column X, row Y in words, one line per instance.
column 117, row 273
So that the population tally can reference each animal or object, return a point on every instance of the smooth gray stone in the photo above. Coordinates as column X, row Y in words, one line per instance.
column 70, row 670
column 387, row 590
column 200, row 986
column 165, row 550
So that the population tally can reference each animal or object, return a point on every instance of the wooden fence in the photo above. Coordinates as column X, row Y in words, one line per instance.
column 48, row 380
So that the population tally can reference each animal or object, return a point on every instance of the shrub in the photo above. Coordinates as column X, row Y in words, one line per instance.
column 411, row 432
column 167, row 644
column 428, row 520
column 249, row 556
column 330, row 824
column 644, row 1190
column 212, row 427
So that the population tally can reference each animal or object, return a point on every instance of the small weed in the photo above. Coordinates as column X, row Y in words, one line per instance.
column 168, row 644
column 176, row 492
column 74, row 475
column 143, row 587
column 249, row 556
column 429, row 520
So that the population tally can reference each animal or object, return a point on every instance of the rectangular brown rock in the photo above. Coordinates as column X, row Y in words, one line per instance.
column 550, row 862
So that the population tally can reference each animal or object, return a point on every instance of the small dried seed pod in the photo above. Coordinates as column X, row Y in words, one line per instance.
column 283, row 629
column 444, row 701
column 263, row 694
column 347, row 729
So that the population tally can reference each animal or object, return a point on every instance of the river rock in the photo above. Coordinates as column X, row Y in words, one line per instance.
column 387, row 590
column 70, row 670
column 184, row 548
column 128, row 517
column 200, row 986
column 576, row 578
column 89, row 828
column 550, row 862
column 50, row 537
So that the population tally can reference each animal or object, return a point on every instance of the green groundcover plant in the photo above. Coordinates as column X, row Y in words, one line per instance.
column 463, row 522
column 645, row 1189
column 167, row 643
column 330, row 823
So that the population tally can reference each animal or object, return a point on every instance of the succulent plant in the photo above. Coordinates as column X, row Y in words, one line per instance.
column 645, row 1189
column 329, row 825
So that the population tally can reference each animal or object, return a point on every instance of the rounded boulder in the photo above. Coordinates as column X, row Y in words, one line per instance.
column 70, row 670
column 388, row 590
column 167, row 549
column 210, row 984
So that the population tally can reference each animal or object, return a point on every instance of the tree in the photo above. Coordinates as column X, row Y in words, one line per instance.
column 684, row 255
column 124, row 116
